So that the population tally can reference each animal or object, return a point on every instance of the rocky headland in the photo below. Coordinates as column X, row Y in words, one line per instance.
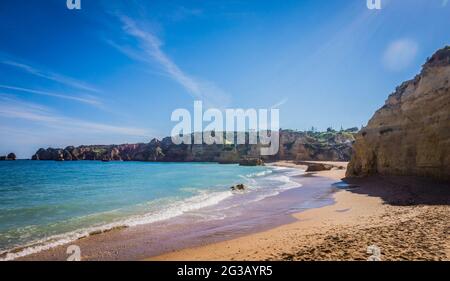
column 294, row 145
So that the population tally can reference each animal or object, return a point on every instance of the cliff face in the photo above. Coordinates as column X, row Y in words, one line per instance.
column 316, row 146
column 410, row 134
column 331, row 145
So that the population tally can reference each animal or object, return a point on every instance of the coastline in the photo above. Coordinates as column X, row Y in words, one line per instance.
column 393, row 214
column 404, row 227
column 271, row 200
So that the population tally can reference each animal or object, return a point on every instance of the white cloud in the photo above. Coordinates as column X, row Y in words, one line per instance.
column 90, row 100
column 400, row 54
column 52, row 76
column 280, row 103
column 152, row 48
column 16, row 109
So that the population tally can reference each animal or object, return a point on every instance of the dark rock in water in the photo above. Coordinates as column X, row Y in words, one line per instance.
column 251, row 162
column 238, row 187
column 11, row 156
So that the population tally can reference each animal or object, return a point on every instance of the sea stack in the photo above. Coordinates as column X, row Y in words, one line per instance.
column 10, row 157
column 410, row 134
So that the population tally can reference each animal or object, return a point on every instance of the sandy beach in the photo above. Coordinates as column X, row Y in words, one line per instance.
column 406, row 218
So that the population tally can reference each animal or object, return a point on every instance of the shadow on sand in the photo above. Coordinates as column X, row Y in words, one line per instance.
column 401, row 191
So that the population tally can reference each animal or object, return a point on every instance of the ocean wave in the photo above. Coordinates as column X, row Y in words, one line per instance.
column 194, row 203
column 280, row 177
column 259, row 174
column 280, row 181
column 203, row 200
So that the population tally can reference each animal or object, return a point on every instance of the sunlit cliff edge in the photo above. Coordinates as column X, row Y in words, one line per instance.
column 410, row 134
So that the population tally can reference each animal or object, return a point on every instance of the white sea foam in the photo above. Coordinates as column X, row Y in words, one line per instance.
column 286, row 183
column 203, row 200
column 194, row 203
column 282, row 181
column 259, row 174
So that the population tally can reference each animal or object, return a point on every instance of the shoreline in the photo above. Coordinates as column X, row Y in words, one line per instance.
column 271, row 206
column 390, row 213
column 344, row 230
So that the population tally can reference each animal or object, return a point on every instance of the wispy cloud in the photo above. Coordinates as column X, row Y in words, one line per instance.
column 90, row 100
column 152, row 52
column 16, row 109
column 280, row 103
column 52, row 76
column 152, row 46
column 400, row 54
column 128, row 51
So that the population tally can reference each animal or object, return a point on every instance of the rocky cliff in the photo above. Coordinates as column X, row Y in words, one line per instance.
column 410, row 134
column 330, row 145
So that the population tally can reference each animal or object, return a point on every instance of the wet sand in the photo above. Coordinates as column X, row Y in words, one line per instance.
column 405, row 218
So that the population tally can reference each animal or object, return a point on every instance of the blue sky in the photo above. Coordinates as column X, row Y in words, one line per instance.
column 114, row 71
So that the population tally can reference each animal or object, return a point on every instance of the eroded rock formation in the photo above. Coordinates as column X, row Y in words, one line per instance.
column 410, row 134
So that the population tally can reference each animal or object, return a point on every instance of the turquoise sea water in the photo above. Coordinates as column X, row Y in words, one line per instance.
column 43, row 204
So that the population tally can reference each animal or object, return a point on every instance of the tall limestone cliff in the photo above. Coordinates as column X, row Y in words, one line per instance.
column 410, row 134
